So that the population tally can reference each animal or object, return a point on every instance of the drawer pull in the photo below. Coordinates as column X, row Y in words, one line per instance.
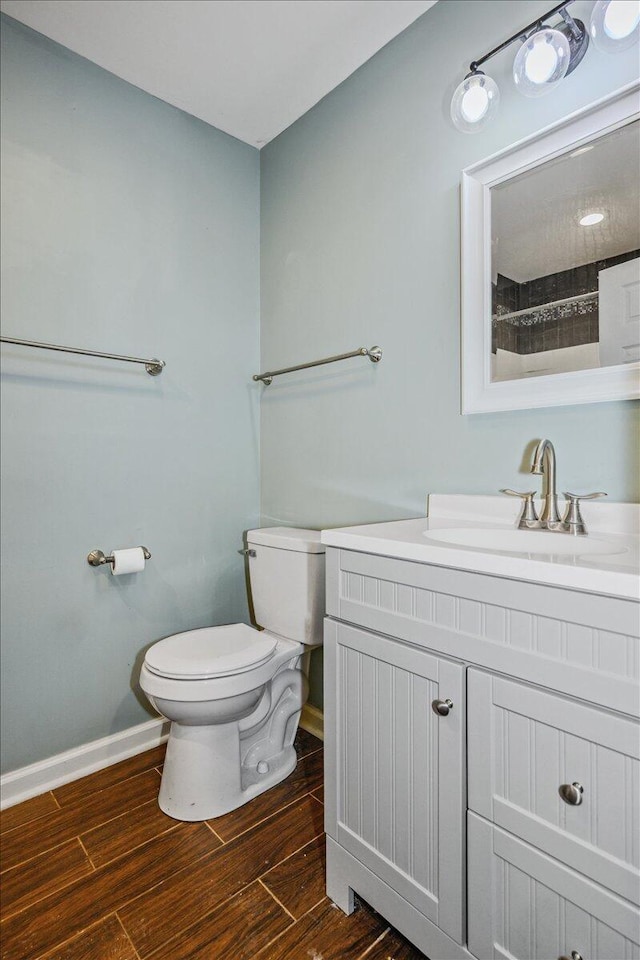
column 442, row 707
column 571, row 793
column 574, row 956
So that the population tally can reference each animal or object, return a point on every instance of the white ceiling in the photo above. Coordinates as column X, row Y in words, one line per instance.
column 248, row 67
column 535, row 217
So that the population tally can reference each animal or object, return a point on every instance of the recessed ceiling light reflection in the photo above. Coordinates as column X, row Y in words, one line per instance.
column 581, row 150
column 591, row 218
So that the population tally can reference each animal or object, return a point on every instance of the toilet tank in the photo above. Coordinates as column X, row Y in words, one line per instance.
column 287, row 582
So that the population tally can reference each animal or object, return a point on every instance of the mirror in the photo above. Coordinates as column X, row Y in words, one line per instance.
column 565, row 250
column 551, row 265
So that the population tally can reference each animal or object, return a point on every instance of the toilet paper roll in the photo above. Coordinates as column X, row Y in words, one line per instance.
column 127, row 561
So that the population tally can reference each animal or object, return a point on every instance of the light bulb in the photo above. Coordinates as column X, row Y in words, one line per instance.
column 541, row 62
column 474, row 102
column 615, row 24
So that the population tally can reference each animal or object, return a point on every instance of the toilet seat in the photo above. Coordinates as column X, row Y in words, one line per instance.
column 210, row 652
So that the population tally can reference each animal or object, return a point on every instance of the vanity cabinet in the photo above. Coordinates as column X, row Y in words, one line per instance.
column 506, row 825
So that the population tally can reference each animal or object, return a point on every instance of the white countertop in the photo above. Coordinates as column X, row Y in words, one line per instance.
column 615, row 574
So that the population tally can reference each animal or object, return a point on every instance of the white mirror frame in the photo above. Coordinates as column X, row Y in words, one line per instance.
column 479, row 394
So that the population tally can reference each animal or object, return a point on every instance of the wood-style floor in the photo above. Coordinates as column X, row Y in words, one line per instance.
column 94, row 871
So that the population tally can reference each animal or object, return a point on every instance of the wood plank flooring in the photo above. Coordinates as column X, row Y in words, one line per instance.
column 93, row 870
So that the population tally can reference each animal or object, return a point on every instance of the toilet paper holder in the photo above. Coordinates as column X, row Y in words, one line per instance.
column 96, row 558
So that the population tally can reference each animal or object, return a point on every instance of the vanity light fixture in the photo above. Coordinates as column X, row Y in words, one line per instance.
column 591, row 218
column 547, row 55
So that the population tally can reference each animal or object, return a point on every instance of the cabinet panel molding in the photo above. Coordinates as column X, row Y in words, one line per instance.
column 586, row 646
column 557, row 603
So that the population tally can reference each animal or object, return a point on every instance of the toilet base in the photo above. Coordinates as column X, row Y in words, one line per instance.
column 201, row 777
column 192, row 787
column 213, row 767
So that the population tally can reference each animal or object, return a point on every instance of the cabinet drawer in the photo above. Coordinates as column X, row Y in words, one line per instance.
column 523, row 905
column 524, row 744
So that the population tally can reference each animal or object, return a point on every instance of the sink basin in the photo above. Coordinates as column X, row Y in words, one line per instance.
column 540, row 542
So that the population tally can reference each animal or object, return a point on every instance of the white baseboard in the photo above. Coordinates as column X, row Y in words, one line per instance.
column 47, row 774
column 312, row 720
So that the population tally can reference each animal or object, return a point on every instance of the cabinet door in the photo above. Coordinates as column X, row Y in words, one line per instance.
column 396, row 767
column 523, row 905
column 527, row 749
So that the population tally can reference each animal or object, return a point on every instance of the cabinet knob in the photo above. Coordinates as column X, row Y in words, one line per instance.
column 442, row 707
column 571, row 793
column 574, row 956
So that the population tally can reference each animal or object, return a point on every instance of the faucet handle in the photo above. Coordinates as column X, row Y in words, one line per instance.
column 528, row 517
column 573, row 517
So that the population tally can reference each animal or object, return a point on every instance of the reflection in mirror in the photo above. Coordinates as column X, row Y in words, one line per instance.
column 565, row 260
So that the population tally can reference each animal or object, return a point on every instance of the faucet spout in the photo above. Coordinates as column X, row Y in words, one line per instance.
column 544, row 462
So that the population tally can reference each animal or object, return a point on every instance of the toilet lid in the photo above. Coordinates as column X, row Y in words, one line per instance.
column 210, row 652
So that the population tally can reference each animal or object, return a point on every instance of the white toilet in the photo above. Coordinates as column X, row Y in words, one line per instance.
column 234, row 693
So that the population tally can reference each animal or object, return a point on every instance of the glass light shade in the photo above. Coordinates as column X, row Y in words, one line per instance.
column 541, row 62
column 615, row 24
column 474, row 102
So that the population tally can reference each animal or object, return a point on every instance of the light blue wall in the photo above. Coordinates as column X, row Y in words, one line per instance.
column 359, row 245
column 133, row 228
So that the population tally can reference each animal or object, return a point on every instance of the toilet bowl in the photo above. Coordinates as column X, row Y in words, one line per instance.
column 234, row 693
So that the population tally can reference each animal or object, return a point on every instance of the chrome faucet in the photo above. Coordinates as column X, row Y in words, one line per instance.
column 544, row 463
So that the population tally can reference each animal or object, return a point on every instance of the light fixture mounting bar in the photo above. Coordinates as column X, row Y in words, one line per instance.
column 475, row 64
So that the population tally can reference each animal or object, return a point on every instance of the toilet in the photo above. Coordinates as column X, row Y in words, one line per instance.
column 234, row 693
